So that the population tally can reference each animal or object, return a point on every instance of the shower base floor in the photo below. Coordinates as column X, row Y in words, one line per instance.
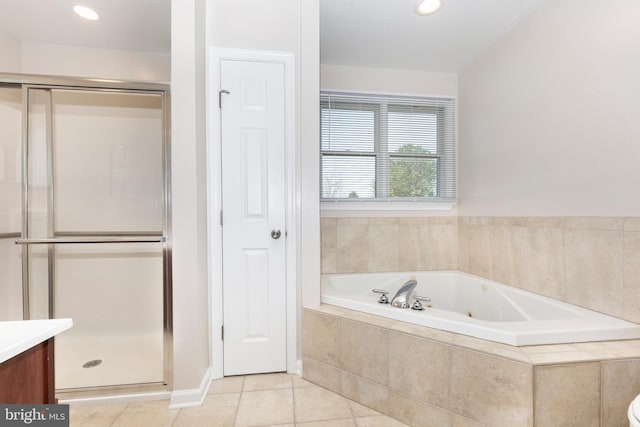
column 133, row 359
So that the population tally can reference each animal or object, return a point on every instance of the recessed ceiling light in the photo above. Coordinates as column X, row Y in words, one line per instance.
column 86, row 13
column 427, row 7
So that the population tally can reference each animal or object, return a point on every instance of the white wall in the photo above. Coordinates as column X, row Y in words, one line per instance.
column 77, row 61
column 385, row 80
column 549, row 116
column 308, row 167
column 255, row 24
column 10, row 54
column 190, row 288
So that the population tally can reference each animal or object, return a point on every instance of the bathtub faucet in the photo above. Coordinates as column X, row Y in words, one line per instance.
column 404, row 295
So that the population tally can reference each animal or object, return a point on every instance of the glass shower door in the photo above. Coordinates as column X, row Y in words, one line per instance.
column 96, row 222
column 10, row 202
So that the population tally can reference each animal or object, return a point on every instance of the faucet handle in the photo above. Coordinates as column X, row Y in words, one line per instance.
column 383, row 297
column 417, row 304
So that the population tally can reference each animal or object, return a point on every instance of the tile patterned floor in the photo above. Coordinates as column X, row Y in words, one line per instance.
column 274, row 400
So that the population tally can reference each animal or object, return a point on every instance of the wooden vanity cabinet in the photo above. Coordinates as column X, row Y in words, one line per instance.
column 28, row 378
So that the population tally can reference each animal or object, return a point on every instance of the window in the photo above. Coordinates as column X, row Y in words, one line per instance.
column 386, row 148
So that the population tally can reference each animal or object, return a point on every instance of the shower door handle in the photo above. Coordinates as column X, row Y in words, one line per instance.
column 56, row 241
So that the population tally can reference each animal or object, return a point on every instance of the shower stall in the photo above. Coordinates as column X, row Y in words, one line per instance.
column 85, row 225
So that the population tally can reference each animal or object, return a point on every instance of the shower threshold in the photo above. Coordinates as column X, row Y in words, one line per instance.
column 128, row 392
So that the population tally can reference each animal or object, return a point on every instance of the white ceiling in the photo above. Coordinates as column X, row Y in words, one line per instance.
column 143, row 25
column 388, row 34
column 371, row 33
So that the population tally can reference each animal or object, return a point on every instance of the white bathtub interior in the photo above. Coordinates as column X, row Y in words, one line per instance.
column 470, row 305
column 106, row 168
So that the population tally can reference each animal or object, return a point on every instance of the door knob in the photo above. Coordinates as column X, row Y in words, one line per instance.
column 275, row 234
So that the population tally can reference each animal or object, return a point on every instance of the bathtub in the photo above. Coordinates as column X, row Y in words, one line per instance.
column 470, row 305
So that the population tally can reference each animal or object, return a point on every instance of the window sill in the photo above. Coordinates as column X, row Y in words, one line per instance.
column 344, row 209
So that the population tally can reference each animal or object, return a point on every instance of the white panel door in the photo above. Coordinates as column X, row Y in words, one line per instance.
column 254, row 203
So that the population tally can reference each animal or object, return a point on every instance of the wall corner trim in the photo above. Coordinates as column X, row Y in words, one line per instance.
column 191, row 397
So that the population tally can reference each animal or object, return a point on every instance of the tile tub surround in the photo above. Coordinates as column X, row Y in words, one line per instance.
column 367, row 245
column 591, row 262
column 427, row 377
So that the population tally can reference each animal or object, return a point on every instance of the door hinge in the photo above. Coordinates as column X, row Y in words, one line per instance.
column 220, row 217
column 220, row 92
column 222, row 332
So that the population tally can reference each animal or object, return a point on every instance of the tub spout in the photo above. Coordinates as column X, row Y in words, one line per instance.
column 404, row 295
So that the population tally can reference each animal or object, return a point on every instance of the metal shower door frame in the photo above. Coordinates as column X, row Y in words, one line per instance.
column 29, row 82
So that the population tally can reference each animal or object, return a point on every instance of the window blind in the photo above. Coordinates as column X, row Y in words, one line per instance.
column 387, row 148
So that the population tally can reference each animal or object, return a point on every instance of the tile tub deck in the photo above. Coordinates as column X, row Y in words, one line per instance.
column 427, row 377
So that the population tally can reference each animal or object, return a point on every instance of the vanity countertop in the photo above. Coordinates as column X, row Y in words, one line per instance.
column 18, row 336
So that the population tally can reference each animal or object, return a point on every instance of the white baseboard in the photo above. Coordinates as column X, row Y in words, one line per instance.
column 191, row 397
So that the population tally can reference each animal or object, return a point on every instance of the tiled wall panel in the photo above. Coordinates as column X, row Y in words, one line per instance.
column 592, row 262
